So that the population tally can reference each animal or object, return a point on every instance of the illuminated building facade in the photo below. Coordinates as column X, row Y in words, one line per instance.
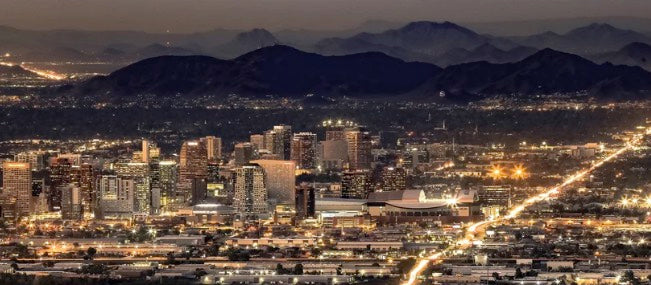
column 250, row 193
column 17, row 189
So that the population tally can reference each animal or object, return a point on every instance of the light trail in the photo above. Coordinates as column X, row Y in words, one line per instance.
column 514, row 212
column 47, row 74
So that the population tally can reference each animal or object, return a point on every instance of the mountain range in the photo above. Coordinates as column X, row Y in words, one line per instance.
column 422, row 41
column 634, row 54
column 545, row 72
column 448, row 43
column 440, row 43
column 287, row 72
column 592, row 39
column 275, row 70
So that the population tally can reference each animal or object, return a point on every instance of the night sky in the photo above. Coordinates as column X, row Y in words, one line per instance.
column 201, row 15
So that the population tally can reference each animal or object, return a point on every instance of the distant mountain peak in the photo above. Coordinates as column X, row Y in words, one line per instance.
column 598, row 29
column 257, row 35
column 428, row 26
column 276, row 50
column 547, row 55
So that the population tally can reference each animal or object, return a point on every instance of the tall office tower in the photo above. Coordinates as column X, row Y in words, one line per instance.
column 199, row 191
column 36, row 159
column 244, row 153
column 270, row 140
column 116, row 196
column 213, row 147
column 332, row 154
column 278, row 141
column 355, row 184
column 280, row 179
column 303, row 150
column 72, row 158
column 250, row 193
column 59, row 176
column 393, row 179
column 17, row 189
column 359, row 148
column 138, row 172
column 305, row 201
column 213, row 172
column 257, row 141
column 145, row 151
column 193, row 164
column 83, row 177
column 71, row 202
column 163, row 184
column 335, row 133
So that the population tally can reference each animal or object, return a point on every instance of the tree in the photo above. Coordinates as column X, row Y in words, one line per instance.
column 518, row 273
column 239, row 255
column 496, row 276
column 629, row 276
column 171, row 259
column 280, row 270
column 91, row 252
column 298, row 269
column 199, row 272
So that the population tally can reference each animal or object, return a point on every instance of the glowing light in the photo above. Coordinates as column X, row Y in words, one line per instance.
column 472, row 228
column 519, row 172
column 452, row 202
column 496, row 172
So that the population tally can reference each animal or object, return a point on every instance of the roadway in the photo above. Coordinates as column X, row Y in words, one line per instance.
column 475, row 230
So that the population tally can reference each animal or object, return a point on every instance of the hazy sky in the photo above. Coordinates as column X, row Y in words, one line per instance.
column 201, row 15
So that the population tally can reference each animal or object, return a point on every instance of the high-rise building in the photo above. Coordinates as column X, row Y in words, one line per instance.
column 71, row 203
column 60, row 170
column 359, row 148
column 145, row 151
column 280, row 179
column 335, row 133
column 199, row 191
column 393, row 179
column 83, row 177
column 305, row 201
column 193, row 164
column 355, row 184
column 138, row 172
column 163, row 183
column 278, row 141
column 17, row 189
column 72, row 158
column 244, row 153
column 116, row 196
column 250, row 193
column 257, row 141
column 303, row 150
column 213, row 147
column 270, row 141
column 332, row 154
column 36, row 159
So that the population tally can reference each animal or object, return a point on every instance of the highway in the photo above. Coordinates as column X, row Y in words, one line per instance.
column 472, row 230
column 47, row 74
